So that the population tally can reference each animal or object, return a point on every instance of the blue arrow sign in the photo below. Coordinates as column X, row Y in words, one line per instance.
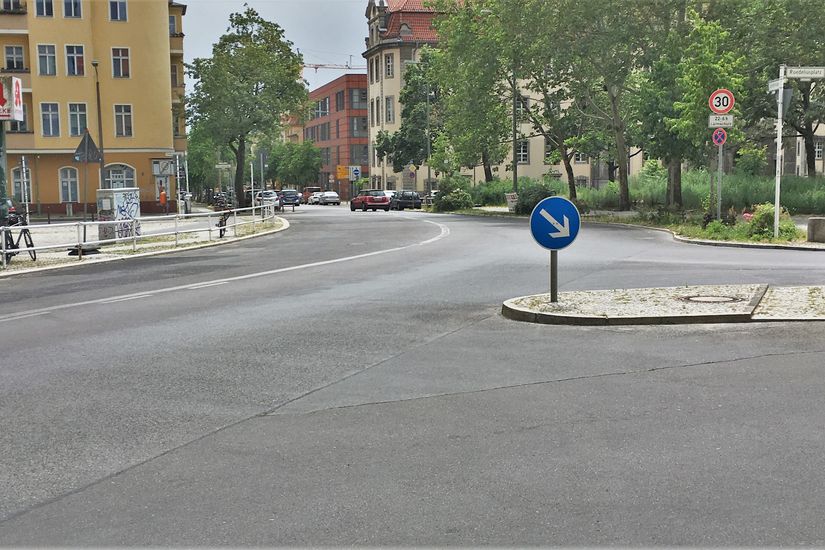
column 555, row 223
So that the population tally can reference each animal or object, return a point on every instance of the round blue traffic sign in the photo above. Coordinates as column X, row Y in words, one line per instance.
column 555, row 222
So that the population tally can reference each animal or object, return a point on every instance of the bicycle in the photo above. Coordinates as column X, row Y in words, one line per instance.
column 222, row 222
column 12, row 245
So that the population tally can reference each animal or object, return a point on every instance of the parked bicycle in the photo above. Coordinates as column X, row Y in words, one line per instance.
column 222, row 222
column 13, row 245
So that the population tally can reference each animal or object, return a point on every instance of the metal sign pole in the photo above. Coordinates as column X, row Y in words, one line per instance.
column 719, row 184
column 25, row 191
column 779, row 117
column 554, row 276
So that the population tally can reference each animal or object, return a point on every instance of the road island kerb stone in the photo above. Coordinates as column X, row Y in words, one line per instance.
column 692, row 304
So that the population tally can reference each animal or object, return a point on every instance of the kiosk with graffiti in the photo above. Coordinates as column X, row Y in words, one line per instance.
column 122, row 206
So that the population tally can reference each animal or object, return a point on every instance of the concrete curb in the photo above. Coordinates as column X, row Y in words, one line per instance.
column 208, row 244
column 511, row 311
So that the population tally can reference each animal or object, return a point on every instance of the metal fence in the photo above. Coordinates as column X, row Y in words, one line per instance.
column 79, row 236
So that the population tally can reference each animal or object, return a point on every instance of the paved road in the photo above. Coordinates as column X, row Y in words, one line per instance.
column 350, row 381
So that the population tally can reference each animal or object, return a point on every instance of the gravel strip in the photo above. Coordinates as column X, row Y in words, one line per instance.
column 790, row 303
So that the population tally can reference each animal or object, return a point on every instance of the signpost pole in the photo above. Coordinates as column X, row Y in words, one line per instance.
column 719, row 184
column 554, row 276
column 779, row 117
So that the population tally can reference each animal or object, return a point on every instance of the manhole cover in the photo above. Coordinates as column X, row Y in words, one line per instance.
column 711, row 299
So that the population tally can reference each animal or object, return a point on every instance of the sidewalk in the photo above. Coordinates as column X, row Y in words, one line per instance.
column 157, row 234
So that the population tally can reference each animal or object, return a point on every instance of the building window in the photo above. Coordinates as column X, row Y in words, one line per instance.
column 20, row 126
column 71, row 8
column 323, row 132
column 173, row 25
column 358, row 126
column 123, row 120
column 117, row 10
column 378, row 111
column 521, row 106
column 339, row 101
column 581, row 181
column 68, row 185
column 11, row 5
column 325, row 156
column 17, row 184
column 359, row 155
column 548, row 151
column 321, row 108
column 120, row 62
column 47, row 60
column 360, row 98
column 77, row 119
column 14, row 58
column 174, row 76
column 389, row 116
column 50, row 115
column 119, row 176
column 45, row 8
column 819, row 150
column 523, row 152
column 581, row 158
column 74, row 61
column 337, row 128
column 389, row 65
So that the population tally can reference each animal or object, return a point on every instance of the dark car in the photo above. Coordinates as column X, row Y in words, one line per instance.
column 405, row 199
column 370, row 199
column 290, row 197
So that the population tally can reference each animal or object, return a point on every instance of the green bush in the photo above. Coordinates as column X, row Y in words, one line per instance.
column 491, row 193
column 752, row 160
column 530, row 196
column 457, row 199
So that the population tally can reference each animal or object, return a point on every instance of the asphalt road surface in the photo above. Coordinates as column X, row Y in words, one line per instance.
column 351, row 381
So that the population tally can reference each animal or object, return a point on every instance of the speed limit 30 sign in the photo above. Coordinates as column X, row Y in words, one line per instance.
column 721, row 101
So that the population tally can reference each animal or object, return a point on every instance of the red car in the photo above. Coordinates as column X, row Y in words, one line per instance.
column 370, row 199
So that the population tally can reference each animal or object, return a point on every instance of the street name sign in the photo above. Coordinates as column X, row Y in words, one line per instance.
column 720, row 136
column 721, row 101
column 555, row 223
column 805, row 72
column 720, row 121
column 776, row 85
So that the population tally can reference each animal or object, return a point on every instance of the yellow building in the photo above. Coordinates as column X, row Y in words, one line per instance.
column 61, row 50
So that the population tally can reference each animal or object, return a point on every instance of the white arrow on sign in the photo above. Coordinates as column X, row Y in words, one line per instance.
column 564, row 230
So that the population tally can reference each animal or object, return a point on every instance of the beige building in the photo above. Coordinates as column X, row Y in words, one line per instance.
column 62, row 49
column 398, row 29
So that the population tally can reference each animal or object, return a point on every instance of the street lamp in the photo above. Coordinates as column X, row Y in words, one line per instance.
column 95, row 63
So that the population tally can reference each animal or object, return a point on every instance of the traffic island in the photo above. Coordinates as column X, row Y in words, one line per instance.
column 673, row 305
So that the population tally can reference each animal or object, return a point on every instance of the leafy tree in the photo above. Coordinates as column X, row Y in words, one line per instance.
column 296, row 164
column 203, row 154
column 251, row 81
column 470, row 66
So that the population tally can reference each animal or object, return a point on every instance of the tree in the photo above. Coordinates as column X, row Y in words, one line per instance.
column 297, row 164
column 202, row 154
column 251, row 81
column 470, row 67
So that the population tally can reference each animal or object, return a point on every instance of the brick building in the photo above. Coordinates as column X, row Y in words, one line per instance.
column 338, row 126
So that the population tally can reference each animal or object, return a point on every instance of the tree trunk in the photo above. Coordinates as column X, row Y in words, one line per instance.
column 568, row 167
column 240, row 159
column 674, row 182
column 621, row 151
column 810, row 161
column 488, row 170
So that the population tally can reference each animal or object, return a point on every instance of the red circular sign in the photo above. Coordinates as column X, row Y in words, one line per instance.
column 720, row 136
column 721, row 101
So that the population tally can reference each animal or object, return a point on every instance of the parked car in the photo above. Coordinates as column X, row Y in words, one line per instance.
column 290, row 197
column 329, row 197
column 405, row 199
column 8, row 208
column 266, row 197
column 390, row 194
column 315, row 197
column 370, row 199
column 309, row 192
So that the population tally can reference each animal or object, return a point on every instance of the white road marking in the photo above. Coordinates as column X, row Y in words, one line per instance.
column 445, row 231
column 127, row 298
column 16, row 317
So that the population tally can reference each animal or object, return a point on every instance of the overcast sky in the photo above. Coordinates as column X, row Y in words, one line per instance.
column 326, row 31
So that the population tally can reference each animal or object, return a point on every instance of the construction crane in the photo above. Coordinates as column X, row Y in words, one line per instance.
column 346, row 66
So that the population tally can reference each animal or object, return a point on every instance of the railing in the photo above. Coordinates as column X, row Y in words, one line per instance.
column 133, row 231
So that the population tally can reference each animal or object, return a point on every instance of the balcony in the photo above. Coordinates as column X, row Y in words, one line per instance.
column 12, row 7
column 17, row 141
column 176, row 43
